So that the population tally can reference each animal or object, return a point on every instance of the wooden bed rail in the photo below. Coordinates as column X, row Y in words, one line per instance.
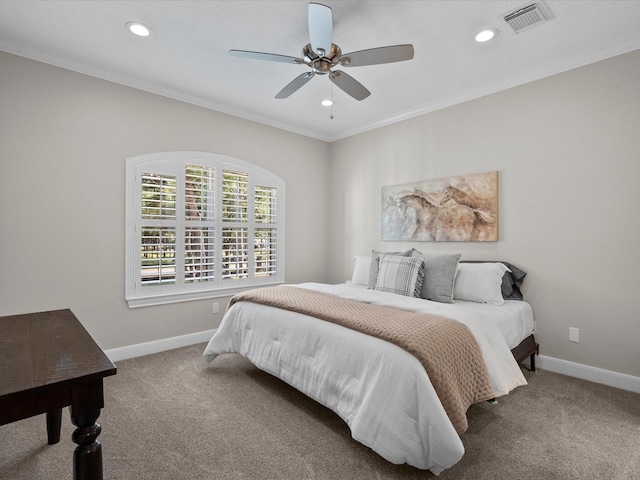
column 527, row 348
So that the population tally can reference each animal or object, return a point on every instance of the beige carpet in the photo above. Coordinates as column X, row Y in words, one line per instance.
column 173, row 416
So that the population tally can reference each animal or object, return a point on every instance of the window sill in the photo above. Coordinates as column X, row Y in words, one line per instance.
column 136, row 302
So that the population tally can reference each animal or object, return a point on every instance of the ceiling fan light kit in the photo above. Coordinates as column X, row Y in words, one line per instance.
column 138, row 29
column 323, row 56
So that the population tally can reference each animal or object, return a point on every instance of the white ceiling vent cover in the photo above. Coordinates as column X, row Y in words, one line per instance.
column 527, row 17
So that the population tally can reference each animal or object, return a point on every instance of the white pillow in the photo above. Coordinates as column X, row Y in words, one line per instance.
column 361, row 270
column 480, row 282
column 400, row 275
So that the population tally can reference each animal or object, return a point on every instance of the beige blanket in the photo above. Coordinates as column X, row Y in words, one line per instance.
column 446, row 348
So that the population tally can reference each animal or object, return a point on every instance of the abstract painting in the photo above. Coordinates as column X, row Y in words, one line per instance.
column 454, row 209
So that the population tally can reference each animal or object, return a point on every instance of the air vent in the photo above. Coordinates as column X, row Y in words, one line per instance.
column 527, row 17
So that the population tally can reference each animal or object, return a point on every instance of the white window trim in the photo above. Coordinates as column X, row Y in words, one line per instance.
column 147, row 296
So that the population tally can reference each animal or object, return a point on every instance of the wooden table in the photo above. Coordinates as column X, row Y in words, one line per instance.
column 49, row 361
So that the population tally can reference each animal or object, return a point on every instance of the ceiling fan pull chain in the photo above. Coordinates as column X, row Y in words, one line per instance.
column 331, row 97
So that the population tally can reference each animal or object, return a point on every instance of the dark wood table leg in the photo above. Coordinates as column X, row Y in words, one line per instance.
column 87, row 401
column 87, row 457
column 54, row 423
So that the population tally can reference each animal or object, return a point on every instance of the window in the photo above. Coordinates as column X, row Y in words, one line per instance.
column 200, row 225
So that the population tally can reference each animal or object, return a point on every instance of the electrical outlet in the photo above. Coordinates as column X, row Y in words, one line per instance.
column 574, row 335
column 216, row 307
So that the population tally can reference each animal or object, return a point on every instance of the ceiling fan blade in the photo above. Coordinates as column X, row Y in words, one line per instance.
column 349, row 85
column 295, row 84
column 377, row 56
column 272, row 57
column 320, row 28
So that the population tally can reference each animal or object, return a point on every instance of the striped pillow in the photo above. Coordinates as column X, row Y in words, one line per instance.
column 400, row 275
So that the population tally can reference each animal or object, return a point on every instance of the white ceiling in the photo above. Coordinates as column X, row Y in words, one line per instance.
column 186, row 56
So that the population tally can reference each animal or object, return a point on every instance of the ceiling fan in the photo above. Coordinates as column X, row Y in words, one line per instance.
column 323, row 56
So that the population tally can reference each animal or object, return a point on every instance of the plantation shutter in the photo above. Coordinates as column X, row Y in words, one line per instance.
column 201, row 225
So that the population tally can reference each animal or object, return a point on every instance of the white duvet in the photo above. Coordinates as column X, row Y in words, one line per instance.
column 381, row 391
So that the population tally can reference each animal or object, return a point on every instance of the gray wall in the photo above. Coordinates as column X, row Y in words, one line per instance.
column 64, row 138
column 567, row 149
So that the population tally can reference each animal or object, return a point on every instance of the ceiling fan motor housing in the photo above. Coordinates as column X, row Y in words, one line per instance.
column 321, row 64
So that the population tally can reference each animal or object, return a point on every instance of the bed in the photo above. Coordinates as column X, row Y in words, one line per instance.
column 382, row 391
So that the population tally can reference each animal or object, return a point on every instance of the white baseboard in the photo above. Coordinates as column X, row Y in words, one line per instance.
column 593, row 374
column 141, row 349
column 585, row 372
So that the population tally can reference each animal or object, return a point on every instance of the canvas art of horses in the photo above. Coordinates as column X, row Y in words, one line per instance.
column 455, row 209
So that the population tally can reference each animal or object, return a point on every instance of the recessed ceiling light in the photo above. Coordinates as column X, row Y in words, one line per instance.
column 138, row 29
column 486, row 35
column 327, row 103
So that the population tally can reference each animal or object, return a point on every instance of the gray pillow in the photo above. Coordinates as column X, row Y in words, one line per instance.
column 373, row 271
column 439, row 276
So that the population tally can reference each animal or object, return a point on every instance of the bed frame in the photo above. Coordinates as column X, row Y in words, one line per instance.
column 527, row 348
